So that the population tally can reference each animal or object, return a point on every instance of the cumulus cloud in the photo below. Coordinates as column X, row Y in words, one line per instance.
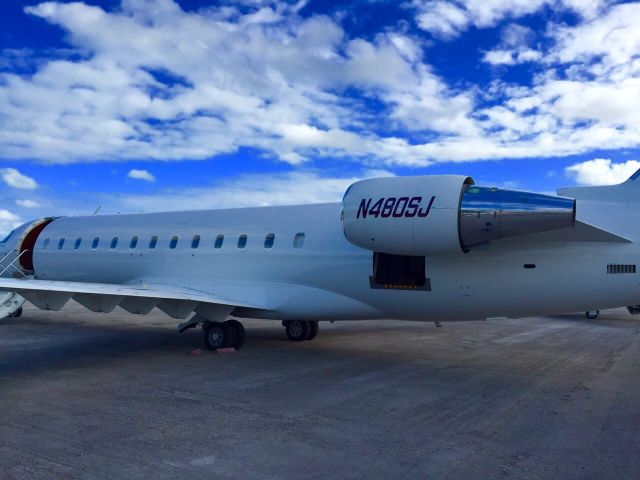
column 141, row 175
column 8, row 221
column 28, row 203
column 514, row 47
column 602, row 171
column 612, row 38
column 447, row 19
column 15, row 179
column 156, row 82
column 511, row 57
column 161, row 83
column 587, row 97
column 246, row 191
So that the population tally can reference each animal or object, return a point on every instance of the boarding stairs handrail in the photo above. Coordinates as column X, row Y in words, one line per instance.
column 13, row 263
column 6, row 256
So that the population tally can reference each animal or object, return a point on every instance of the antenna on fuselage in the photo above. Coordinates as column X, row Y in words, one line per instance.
column 97, row 210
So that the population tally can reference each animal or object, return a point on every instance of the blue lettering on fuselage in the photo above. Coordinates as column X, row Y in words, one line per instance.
column 395, row 207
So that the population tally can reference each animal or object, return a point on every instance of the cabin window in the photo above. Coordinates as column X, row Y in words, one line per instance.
column 114, row 242
column 242, row 241
column 219, row 241
column 134, row 243
column 195, row 243
column 46, row 242
column 95, row 243
column 153, row 242
column 174, row 242
column 268, row 240
column 77, row 243
column 298, row 240
column 60, row 243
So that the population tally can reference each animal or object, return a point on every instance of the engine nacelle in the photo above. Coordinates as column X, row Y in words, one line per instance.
column 444, row 214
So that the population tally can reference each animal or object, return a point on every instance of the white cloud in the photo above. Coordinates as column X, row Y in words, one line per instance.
column 28, row 203
column 514, row 47
column 511, row 57
column 155, row 82
column 246, row 191
column 441, row 18
column 7, row 216
column 602, row 171
column 8, row 221
column 613, row 38
column 15, row 179
column 160, row 83
column 141, row 175
column 448, row 19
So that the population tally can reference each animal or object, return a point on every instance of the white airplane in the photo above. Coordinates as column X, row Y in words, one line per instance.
column 429, row 248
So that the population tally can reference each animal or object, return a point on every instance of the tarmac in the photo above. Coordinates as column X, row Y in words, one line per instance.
column 93, row 396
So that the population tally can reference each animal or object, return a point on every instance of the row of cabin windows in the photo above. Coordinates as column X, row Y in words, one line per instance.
column 269, row 240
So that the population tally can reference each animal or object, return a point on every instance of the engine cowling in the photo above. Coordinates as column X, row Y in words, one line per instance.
column 444, row 214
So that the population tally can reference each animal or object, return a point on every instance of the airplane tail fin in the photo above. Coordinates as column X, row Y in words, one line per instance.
column 634, row 177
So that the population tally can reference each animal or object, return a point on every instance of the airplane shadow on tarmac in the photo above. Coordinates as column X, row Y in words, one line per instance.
column 36, row 344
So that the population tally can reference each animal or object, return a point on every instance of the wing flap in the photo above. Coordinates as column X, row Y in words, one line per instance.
column 46, row 300
column 102, row 297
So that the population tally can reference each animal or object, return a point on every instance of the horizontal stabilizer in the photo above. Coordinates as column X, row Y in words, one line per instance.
column 582, row 232
column 589, row 233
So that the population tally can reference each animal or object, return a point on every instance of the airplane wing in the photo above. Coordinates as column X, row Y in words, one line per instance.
column 141, row 298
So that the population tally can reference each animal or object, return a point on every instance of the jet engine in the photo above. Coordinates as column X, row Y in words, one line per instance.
column 444, row 214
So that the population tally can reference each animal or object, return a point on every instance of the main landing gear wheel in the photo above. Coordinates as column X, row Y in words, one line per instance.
column 313, row 330
column 238, row 333
column 217, row 335
column 222, row 335
column 298, row 330
column 17, row 313
column 592, row 314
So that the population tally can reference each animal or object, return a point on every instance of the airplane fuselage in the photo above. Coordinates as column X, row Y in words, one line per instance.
column 301, row 252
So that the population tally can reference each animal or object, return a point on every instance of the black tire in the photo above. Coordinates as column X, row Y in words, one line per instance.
column 17, row 313
column 313, row 330
column 592, row 316
column 238, row 333
column 297, row 330
column 218, row 335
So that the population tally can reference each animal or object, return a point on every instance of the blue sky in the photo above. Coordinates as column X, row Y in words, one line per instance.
column 140, row 105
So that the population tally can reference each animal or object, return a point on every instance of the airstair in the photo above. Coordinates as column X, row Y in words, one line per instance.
column 10, row 302
column 12, row 268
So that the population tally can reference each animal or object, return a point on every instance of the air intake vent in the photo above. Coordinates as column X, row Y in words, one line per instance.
column 621, row 269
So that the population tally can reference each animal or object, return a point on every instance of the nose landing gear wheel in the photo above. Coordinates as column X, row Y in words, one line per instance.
column 592, row 314
column 297, row 330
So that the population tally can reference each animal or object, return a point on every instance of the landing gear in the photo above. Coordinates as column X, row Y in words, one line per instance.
column 298, row 330
column 238, row 333
column 592, row 314
column 313, row 330
column 223, row 334
column 17, row 313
